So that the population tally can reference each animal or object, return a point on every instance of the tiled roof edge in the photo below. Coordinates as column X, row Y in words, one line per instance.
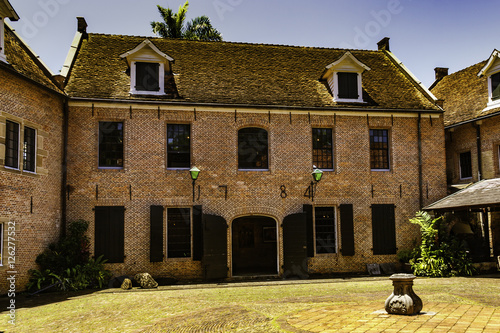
column 497, row 113
column 232, row 42
column 35, row 57
column 255, row 106
column 416, row 82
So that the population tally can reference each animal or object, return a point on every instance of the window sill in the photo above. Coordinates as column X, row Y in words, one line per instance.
column 346, row 100
column 116, row 169
column 152, row 93
column 253, row 170
column 380, row 170
column 178, row 259
column 492, row 105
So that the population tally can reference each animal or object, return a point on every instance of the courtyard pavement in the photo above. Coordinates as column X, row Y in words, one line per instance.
column 436, row 317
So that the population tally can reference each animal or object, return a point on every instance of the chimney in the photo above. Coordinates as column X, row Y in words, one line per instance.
column 384, row 44
column 440, row 72
column 82, row 26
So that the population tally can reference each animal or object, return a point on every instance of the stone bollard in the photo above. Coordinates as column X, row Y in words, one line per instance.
column 403, row 299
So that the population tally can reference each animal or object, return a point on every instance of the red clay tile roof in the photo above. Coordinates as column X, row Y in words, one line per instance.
column 239, row 73
column 23, row 61
column 465, row 95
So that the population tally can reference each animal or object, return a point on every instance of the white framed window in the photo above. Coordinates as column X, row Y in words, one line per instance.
column 2, row 44
column 344, row 78
column 347, row 87
column 147, row 78
column 147, row 69
column 325, row 230
column 494, row 88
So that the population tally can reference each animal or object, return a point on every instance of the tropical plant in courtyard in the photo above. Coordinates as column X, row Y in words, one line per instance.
column 199, row 28
column 439, row 253
column 67, row 263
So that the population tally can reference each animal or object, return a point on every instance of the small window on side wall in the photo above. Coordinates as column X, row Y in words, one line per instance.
column 465, row 165
column 110, row 144
column 29, row 149
column 12, row 145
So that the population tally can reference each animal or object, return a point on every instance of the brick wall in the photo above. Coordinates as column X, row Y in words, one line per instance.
column 463, row 138
column 31, row 201
column 145, row 181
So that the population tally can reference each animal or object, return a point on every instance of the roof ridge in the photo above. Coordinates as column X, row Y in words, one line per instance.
column 233, row 42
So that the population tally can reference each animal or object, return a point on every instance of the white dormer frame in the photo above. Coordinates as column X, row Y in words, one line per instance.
column 147, row 52
column 2, row 44
column 492, row 67
column 6, row 10
column 346, row 64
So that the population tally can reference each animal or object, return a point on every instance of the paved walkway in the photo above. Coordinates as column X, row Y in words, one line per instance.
column 435, row 317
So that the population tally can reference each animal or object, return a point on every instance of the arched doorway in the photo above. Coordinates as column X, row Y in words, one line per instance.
column 254, row 246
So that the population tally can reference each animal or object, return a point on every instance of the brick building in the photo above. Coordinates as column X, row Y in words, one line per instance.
column 256, row 120
column 471, row 100
column 31, row 151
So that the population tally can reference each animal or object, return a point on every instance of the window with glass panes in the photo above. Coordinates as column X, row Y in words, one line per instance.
column 29, row 149
column 252, row 148
column 495, row 86
column 178, row 232
column 324, row 224
column 178, row 146
column 12, row 145
column 379, row 149
column 465, row 165
column 322, row 148
column 110, row 144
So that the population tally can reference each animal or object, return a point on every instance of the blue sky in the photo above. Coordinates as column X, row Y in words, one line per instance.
column 424, row 34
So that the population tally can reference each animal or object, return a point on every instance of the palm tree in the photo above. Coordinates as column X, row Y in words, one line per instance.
column 172, row 26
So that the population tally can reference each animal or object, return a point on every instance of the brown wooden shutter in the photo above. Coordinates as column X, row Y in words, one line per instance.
column 295, row 246
column 383, row 229
column 156, row 234
column 117, row 234
column 347, row 229
column 308, row 209
column 101, row 230
column 197, row 233
column 348, row 85
column 109, row 233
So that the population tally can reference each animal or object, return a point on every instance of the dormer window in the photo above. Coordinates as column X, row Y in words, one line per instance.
column 6, row 10
column 147, row 76
column 348, row 85
column 492, row 71
column 147, row 69
column 495, row 86
column 2, row 47
column 344, row 78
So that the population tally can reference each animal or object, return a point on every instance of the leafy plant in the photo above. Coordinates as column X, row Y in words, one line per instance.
column 439, row 254
column 68, row 263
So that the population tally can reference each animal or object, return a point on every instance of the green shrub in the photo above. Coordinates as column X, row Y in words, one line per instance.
column 439, row 254
column 67, row 263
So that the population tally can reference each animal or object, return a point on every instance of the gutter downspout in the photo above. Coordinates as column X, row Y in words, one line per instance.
column 477, row 126
column 64, row 185
column 420, row 175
